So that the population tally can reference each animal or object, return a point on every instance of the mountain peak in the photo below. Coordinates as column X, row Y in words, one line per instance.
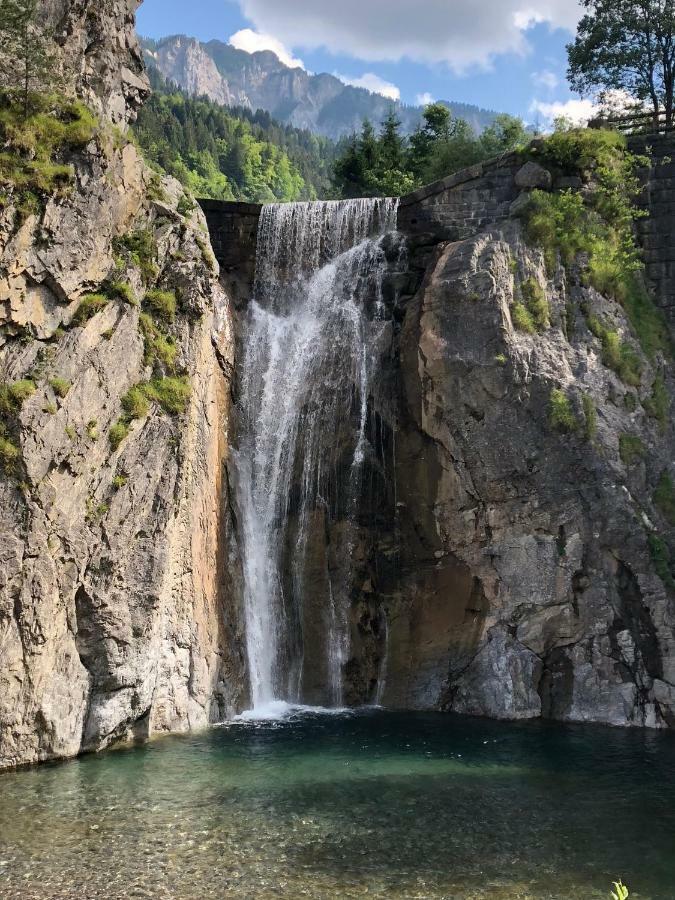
column 322, row 102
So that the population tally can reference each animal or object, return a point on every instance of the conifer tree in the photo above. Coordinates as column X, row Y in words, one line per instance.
column 26, row 63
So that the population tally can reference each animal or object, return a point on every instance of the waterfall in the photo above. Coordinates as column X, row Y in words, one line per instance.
column 306, row 378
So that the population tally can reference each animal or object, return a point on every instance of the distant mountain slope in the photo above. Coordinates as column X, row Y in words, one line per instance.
column 231, row 153
column 321, row 103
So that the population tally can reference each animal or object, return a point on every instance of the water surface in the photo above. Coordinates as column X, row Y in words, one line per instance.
column 370, row 804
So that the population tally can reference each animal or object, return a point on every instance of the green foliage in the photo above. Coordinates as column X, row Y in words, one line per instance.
column 162, row 304
column 662, row 560
column 172, row 394
column 630, row 401
column 501, row 359
column 121, row 290
column 590, row 417
column 71, row 432
column 658, row 404
column 620, row 891
column 631, row 448
column 616, row 355
column 627, row 47
column 580, row 150
column 231, row 154
column 27, row 64
column 13, row 395
column 560, row 413
column 95, row 511
column 141, row 249
column 207, row 254
column 646, row 318
column 89, row 306
column 522, row 318
column 119, row 481
column 386, row 164
column 9, row 452
column 60, row 386
column 135, row 402
column 92, row 430
column 34, row 148
column 664, row 497
column 158, row 346
column 598, row 223
column 186, row 205
column 118, row 433
column 536, row 303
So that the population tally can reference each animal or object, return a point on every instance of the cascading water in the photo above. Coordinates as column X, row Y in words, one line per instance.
column 308, row 372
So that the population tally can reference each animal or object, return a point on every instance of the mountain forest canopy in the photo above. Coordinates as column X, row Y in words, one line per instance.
column 231, row 153
column 389, row 164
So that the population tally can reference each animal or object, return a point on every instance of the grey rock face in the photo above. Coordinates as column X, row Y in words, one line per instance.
column 116, row 610
column 532, row 175
column 99, row 53
column 526, row 586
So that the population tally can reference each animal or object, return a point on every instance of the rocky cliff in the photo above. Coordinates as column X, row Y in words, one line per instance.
column 116, row 616
column 534, row 483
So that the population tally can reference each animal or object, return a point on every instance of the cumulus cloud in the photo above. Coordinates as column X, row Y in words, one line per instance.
column 461, row 33
column 424, row 99
column 253, row 41
column 577, row 111
column 546, row 79
column 373, row 83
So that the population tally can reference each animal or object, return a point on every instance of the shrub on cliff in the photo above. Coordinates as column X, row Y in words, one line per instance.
column 560, row 413
column 162, row 304
column 34, row 156
column 664, row 498
column 598, row 222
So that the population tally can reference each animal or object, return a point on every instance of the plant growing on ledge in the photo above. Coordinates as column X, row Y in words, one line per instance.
column 560, row 413
column 598, row 223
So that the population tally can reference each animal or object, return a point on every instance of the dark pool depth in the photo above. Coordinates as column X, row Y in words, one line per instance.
column 376, row 803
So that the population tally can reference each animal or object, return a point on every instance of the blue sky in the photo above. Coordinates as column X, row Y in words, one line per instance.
column 507, row 55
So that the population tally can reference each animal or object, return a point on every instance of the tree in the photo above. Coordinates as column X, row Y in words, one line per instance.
column 626, row 45
column 506, row 133
column 26, row 63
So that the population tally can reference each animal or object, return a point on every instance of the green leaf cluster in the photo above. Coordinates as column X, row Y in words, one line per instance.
column 598, row 222
column 231, row 154
column 561, row 416
column 388, row 164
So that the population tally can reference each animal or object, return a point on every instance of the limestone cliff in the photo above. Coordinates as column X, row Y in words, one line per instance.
column 116, row 616
column 533, row 578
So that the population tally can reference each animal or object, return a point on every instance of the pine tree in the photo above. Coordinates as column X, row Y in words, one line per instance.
column 26, row 63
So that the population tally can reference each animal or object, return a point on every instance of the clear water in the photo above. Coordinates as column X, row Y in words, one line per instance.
column 306, row 378
column 370, row 804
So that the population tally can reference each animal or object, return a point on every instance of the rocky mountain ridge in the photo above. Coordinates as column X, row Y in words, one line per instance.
column 318, row 102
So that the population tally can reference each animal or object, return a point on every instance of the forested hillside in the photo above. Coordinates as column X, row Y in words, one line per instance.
column 232, row 153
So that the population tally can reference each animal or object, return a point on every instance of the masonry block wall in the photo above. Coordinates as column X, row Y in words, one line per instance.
column 657, row 230
column 233, row 228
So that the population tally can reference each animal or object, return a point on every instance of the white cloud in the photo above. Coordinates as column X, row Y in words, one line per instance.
column 461, row 33
column 373, row 83
column 578, row 111
column 546, row 79
column 424, row 99
column 253, row 41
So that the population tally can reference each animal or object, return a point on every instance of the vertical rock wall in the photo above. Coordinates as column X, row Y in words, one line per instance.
column 118, row 613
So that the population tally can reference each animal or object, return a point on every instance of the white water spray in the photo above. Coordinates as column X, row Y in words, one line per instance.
column 305, row 385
